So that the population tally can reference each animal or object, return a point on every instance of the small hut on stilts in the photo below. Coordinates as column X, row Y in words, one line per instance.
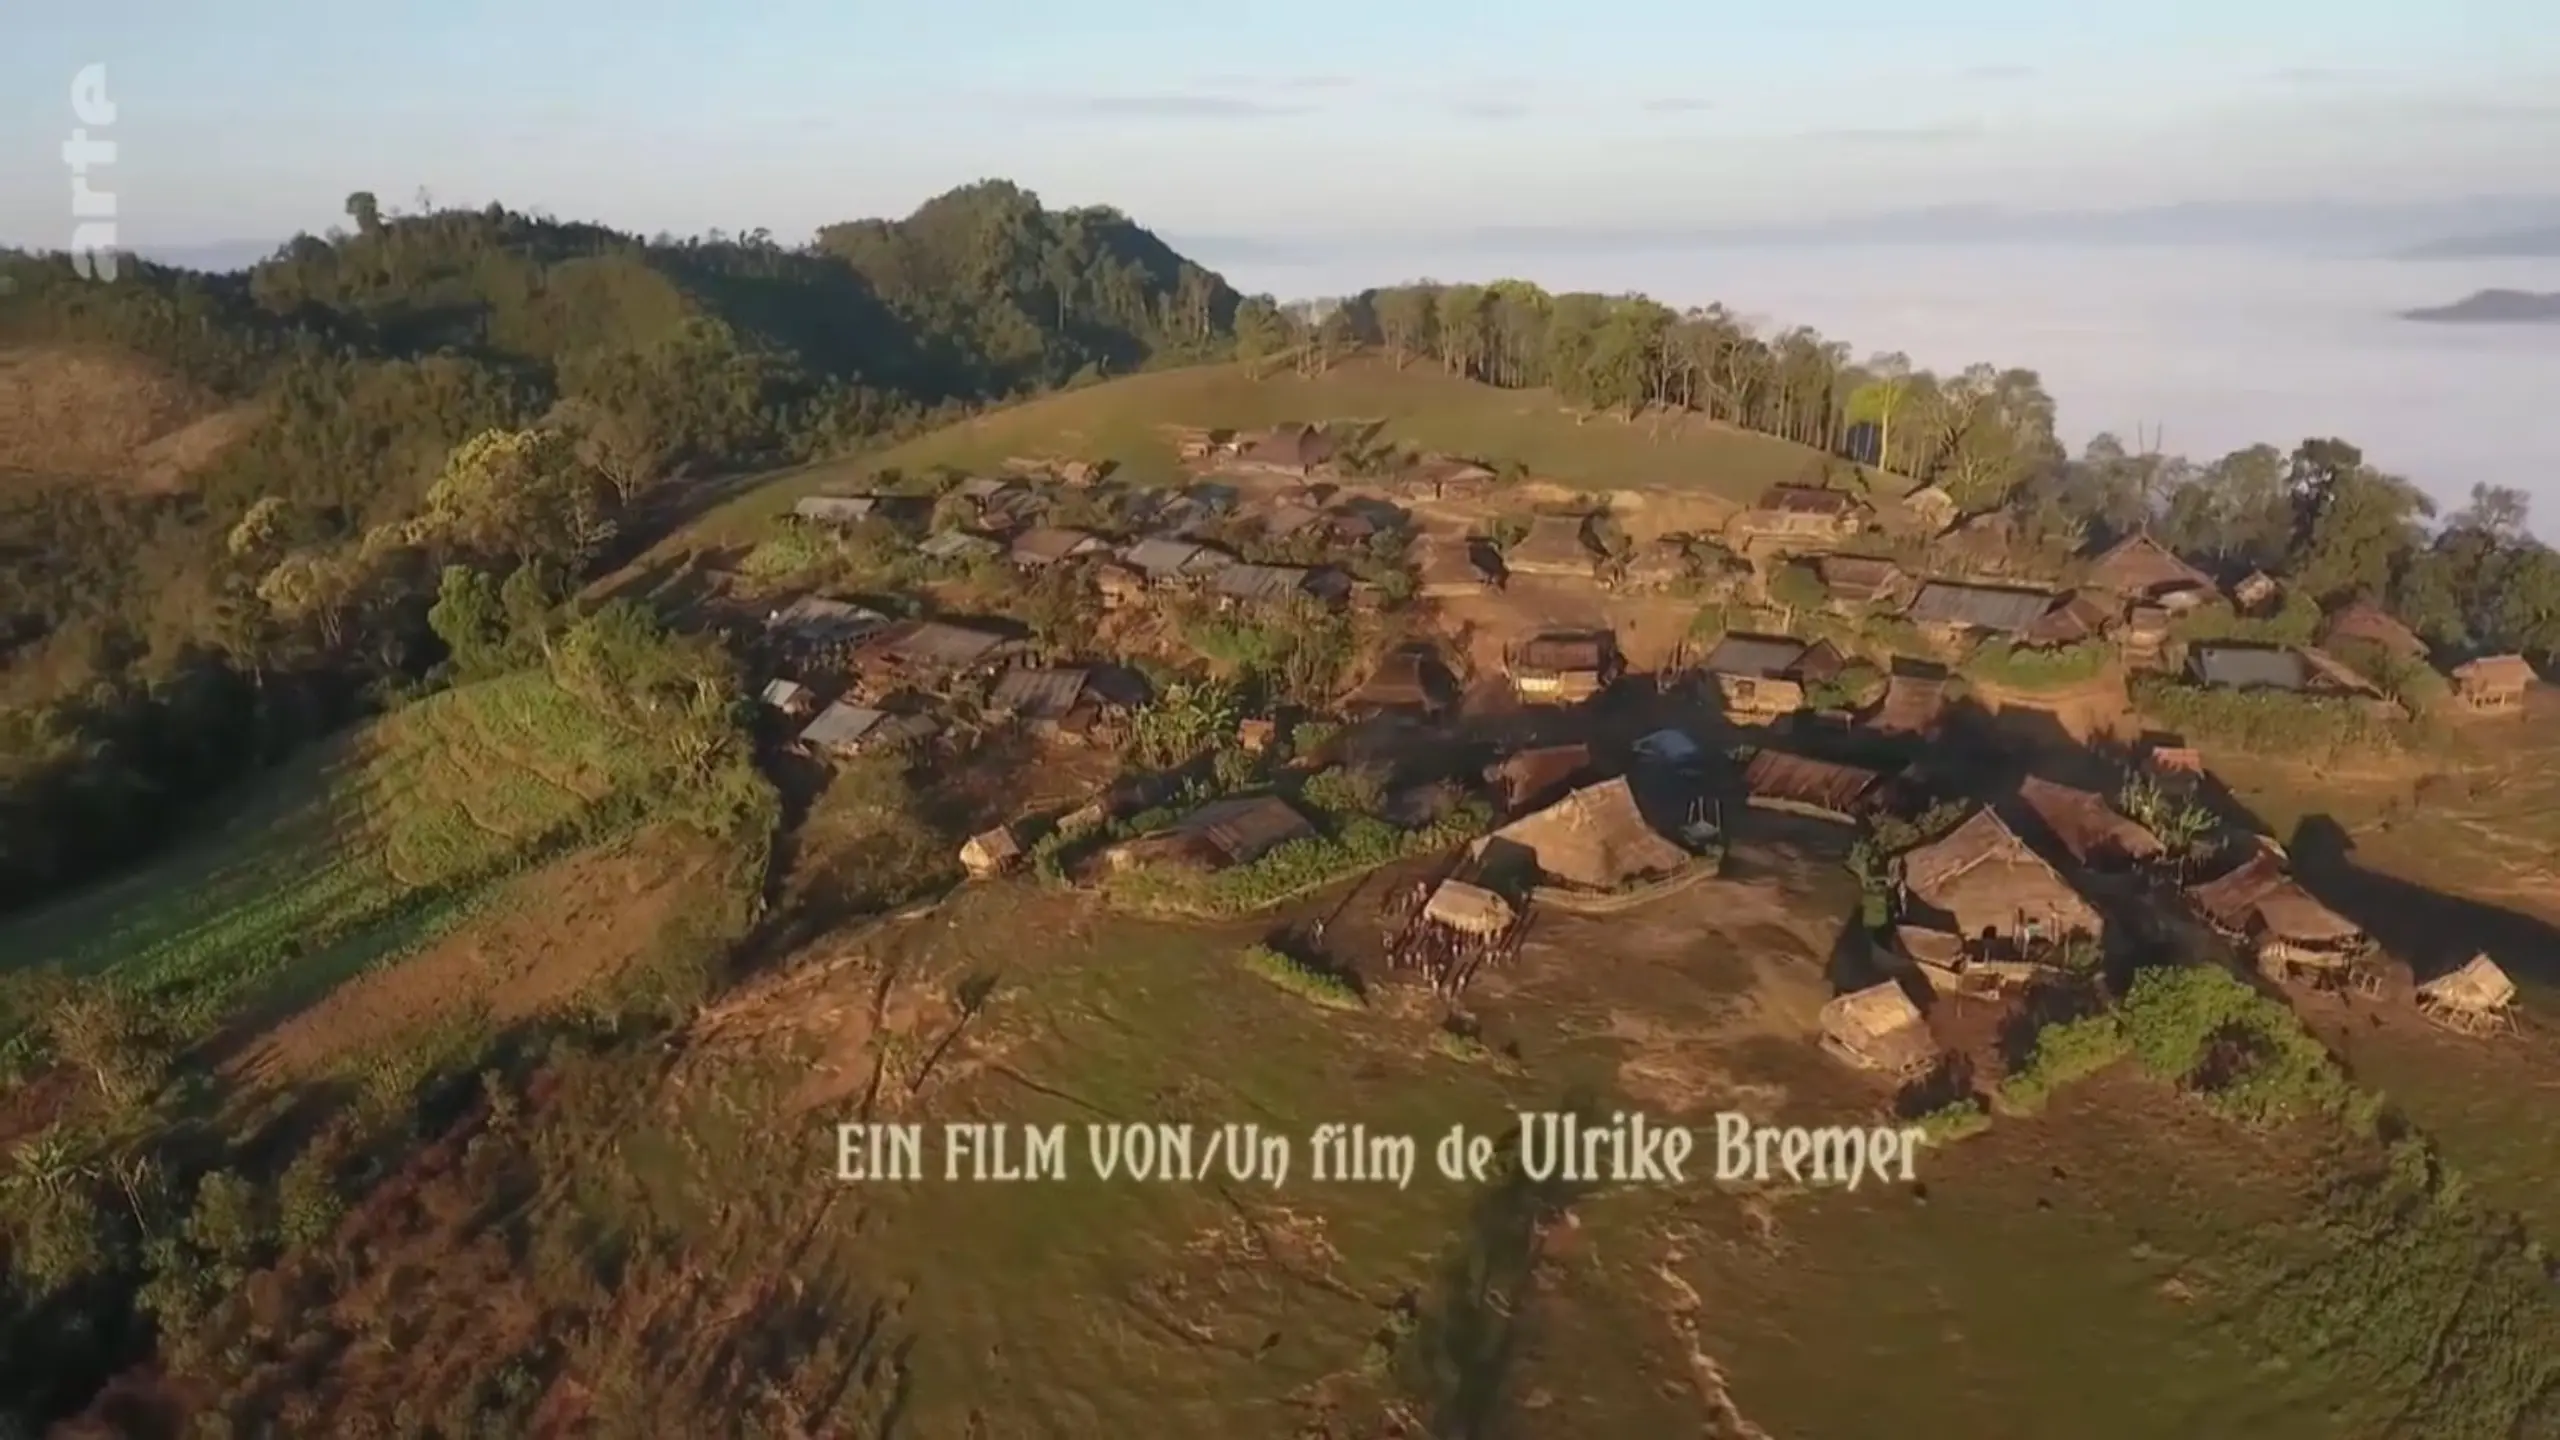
column 1455, row 931
column 2472, row 1000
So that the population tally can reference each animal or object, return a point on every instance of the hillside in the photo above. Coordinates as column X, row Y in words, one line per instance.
column 1129, row 421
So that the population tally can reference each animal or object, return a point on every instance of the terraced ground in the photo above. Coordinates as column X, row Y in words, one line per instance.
column 354, row 854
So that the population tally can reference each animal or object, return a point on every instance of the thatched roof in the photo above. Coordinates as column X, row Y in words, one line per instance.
column 991, row 849
column 2085, row 824
column 2494, row 674
column 1451, row 565
column 958, row 544
column 1820, row 662
column 2259, row 897
column 1912, row 704
column 1880, row 1027
column 1530, row 776
column 2139, row 566
column 1565, row 652
column 1595, row 837
column 1986, row 879
column 1555, row 545
column 1858, row 578
column 1407, row 677
column 1942, row 948
column 2479, row 986
column 2362, row 620
column 1471, row 908
column 2327, row 673
column 2076, row 617
column 1659, row 562
column 1760, row 657
column 1246, row 828
column 1802, row 780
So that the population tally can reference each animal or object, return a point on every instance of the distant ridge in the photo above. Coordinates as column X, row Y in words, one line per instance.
column 2538, row 243
column 2494, row 307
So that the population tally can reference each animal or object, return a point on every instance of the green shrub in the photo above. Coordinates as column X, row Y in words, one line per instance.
column 1361, row 843
column 2250, row 1056
column 1307, row 982
column 2064, row 1052
column 1954, row 1121
column 2016, row 667
column 2270, row 721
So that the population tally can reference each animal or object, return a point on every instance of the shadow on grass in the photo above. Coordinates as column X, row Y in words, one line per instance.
column 1473, row 1330
column 2433, row 931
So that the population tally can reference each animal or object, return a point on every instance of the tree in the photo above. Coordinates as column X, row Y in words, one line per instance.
column 470, row 617
column 518, row 494
column 1798, row 587
column 362, row 209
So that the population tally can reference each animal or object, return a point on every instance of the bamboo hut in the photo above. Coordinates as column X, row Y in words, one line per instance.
column 1878, row 1028
column 1594, row 839
column 1803, row 785
column 1468, row 909
column 990, row 853
column 2497, row 682
column 2095, row 833
column 2287, row 932
column 2001, row 896
column 2472, row 1000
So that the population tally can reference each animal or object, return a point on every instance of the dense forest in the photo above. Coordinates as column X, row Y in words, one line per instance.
column 161, row 642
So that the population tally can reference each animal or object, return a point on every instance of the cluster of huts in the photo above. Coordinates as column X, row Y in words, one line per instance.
column 2047, row 879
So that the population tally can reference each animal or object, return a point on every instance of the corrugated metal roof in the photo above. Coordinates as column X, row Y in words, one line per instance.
column 840, row 509
column 2249, row 667
column 1040, row 693
column 1047, row 546
column 1998, row 609
column 1161, row 558
column 842, row 726
column 935, row 643
column 818, row 619
column 784, row 692
column 1260, row 582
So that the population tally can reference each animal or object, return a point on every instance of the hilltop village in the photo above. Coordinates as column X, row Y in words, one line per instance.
column 1526, row 698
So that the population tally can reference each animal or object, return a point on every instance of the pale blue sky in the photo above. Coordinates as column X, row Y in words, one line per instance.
column 1270, row 119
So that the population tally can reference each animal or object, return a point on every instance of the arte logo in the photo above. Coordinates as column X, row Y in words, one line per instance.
column 93, row 237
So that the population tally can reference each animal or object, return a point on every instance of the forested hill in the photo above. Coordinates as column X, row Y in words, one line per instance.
column 325, row 390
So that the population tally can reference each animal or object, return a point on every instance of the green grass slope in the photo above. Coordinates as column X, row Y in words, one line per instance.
column 1421, row 405
column 355, row 853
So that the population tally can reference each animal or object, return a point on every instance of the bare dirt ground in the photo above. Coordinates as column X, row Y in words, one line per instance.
column 549, row 936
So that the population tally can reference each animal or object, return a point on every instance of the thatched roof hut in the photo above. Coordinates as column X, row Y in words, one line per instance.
column 2495, row 682
column 2259, row 901
column 1912, row 705
column 1986, row 881
column 1557, row 545
column 1595, row 838
column 2085, row 824
column 1801, row 783
column 1878, row 1028
column 2138, row 567
column 2364, row 621
column 990, row 852
column 2479, row 988
column 1444, row 568
column 1531, row 777
column 1469, row 908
